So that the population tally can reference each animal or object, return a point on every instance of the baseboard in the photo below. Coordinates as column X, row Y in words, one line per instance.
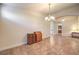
column 15, row 45
column 66, row 34
column 12, row 46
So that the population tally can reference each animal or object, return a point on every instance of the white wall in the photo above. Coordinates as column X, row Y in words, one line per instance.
column 68, row 24
column 14, row 27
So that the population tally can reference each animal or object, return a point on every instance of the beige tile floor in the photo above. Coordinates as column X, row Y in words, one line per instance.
column 57, row 45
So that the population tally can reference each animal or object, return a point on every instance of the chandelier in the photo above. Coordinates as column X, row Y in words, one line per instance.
column 49, row 17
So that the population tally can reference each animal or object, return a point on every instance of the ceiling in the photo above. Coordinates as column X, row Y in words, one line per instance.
column 40, row 9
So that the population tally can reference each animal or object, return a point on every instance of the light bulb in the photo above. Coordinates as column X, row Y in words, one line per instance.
column 49, row 19
column 46, row 18
column 52, row 17
column 62, row 19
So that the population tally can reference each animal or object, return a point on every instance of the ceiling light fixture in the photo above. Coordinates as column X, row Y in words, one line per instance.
column 49, row 17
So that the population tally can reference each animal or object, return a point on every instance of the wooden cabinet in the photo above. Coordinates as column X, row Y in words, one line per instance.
column 34, row 37
column 38, row 36
column 30, row 38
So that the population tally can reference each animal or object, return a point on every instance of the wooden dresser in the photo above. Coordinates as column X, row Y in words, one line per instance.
column 30, row 38
column 38, row 36
column 34, row 37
